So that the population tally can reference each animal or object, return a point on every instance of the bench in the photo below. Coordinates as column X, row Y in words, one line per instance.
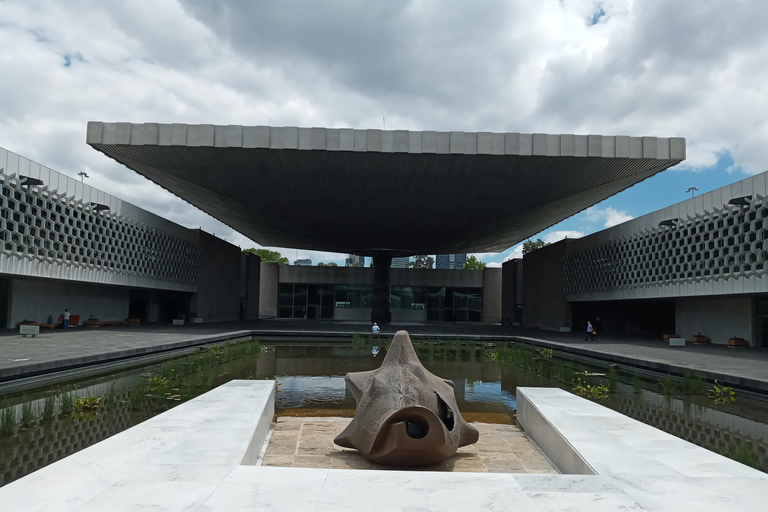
column 94, row 322
column 676, row 342
column 30, row 329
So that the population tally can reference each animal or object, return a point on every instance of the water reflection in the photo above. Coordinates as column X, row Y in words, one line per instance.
column 43, row 426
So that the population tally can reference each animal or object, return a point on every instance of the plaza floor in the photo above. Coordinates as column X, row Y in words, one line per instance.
column 58, row 350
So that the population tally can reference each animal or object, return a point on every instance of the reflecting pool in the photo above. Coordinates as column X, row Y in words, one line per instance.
column 45, row 425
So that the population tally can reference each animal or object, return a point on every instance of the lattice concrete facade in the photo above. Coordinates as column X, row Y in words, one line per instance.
column 714, row 244
column 54, row 226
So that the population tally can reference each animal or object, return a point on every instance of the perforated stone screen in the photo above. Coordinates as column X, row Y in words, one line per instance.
column 40, row 224
column 727, row 243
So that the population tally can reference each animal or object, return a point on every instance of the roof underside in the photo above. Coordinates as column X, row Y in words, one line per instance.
column 360, row 191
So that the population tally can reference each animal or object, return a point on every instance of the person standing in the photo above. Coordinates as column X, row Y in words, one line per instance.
column 590, row 331
column 65, row 320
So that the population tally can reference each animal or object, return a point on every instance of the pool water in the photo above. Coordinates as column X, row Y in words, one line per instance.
column 45, row 425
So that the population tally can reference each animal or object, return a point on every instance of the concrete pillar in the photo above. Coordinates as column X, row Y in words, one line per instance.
column 382, row 263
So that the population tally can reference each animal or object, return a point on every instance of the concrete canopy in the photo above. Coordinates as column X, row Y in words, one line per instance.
column 373, row 191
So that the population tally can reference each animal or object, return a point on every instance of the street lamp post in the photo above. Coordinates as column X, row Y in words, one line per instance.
column 82, row 175
column 692, row 190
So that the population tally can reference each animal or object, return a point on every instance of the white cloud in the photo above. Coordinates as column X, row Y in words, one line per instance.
column 609, row 215
column 687, row 68
column 556, row 236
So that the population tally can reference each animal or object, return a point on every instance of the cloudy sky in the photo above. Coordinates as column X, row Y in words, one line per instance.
column 691, row 68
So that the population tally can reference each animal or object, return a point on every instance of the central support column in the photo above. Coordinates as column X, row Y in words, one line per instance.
column 381, row 313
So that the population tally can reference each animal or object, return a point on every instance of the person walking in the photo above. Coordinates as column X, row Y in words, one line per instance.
column 65, row 320
column 590, row 331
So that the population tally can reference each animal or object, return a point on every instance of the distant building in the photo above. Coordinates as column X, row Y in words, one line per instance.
column 400, row 262
column 450, row 261
column 303, row 263
column 354, row 261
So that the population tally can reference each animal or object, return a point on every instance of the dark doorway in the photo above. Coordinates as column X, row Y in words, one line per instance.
column 646, row 318
column 762, row 322
column 5, row 302
column 138, row 304
column 172, row 305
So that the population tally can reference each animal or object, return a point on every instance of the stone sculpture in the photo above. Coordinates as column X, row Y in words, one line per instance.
column 405, row 415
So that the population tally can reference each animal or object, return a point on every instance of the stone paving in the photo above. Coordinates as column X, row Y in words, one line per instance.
column 301, row 442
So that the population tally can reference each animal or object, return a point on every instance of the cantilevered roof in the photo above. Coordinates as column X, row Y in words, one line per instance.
column 359, row 191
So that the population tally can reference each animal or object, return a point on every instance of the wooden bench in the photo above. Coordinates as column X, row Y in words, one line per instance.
column 94, row 322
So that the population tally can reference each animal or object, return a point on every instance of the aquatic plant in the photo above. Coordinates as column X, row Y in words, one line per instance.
column 597, row 392
column 67, row 402
column 49, row 408
column 637, row 384
column 742, row 451
column 693, row 383
column 668, row 385
column 87, row 403
column 721, row 394
column 546, row 353
column 156, row 383
column 7, row 420
column 27, row 415
column 613, row 380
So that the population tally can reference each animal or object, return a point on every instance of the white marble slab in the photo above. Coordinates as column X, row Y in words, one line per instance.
column 191, row 459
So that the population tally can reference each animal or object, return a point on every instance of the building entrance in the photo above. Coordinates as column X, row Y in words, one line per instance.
column 5, row 293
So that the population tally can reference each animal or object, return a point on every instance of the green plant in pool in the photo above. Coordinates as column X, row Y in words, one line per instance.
column 637, row 384
column 7, row 420
column 598, row 391
column 546, row 353
column 613, row 380
column 49, row 408
column 87, row 403
column 27, row 415
column 156, row 383
column 721, row 394
column 67, row 403
column 668, row 385
column 694, row 383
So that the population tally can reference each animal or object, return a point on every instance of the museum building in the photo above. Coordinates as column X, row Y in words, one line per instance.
column 696, row 267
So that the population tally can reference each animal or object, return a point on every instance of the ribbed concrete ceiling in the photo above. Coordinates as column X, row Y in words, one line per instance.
column 359, row 191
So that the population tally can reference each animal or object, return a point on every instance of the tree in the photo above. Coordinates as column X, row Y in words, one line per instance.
column 421, row 261
column 530, row 246
column 331, row 264
column 473, row 263
column 268, row 256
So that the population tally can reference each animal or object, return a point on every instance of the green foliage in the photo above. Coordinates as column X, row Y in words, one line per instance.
column 546, row 353
column 721, row 394
column 421, row 261
column 87, row 403
column 694, row 383
column 49, row 408
column 473, row 263
column 268, row 256
column 156, row 383
column 613, row 380
column 530, row 246
column 331, row 264
column 67, row 403
column 27, row 415
column 7, row 420
column 598, row 391
column 668, row 385
column 637, row 384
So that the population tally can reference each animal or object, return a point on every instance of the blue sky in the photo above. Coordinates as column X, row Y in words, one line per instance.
column 689, row 68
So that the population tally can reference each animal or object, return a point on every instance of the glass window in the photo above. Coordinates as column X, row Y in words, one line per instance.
column 419, row 299
column 459, row 299
column 314, row 295
column 475, row 299
column 435, row 298
column 286, row 295
column 300, row 295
